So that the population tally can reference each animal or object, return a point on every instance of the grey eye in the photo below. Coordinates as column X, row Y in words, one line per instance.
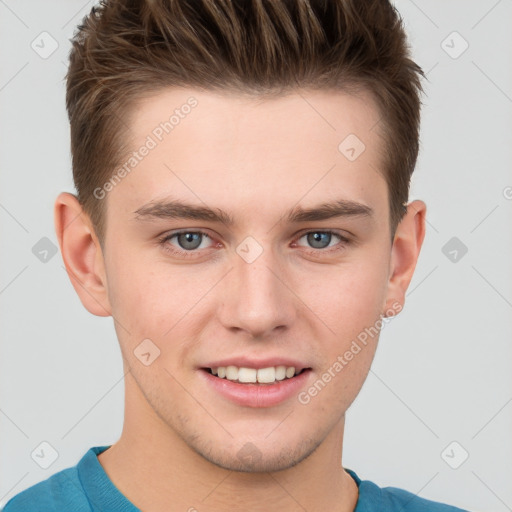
column 189, row 240
column 318, row 238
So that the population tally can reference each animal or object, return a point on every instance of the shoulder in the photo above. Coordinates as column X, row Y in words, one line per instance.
column 373, row 498
column 399, row 499
column 61, row 491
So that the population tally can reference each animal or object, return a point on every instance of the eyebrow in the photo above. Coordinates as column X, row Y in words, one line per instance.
column 177, row 209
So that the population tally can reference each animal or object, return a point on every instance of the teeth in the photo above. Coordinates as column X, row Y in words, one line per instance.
column 231, row 373
column 263, row 375
column 280, row 372
column 266, row 375
column 247, row 375
column 290, row 372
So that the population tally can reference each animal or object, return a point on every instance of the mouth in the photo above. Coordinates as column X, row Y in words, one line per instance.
column 256, row 384
column 262, row 376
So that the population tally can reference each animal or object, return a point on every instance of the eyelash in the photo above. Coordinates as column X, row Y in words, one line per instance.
column 193, row 252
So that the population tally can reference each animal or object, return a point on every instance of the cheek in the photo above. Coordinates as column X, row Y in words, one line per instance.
column 350, row 308
column 152, row 300
column 350, row 297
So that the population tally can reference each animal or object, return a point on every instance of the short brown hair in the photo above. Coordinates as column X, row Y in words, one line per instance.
column 125, row 49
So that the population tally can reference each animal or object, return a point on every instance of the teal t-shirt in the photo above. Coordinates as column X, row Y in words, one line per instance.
column 87, row 488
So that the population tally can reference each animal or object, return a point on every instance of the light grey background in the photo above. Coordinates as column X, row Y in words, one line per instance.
column 442, row 369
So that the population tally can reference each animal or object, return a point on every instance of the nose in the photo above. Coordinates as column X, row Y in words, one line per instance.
column 257, row 297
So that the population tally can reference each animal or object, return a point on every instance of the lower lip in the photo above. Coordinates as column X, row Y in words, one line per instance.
column 257, row 395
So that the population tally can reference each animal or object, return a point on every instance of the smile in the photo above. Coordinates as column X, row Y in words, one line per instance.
column 242, row 374
column 251, row 387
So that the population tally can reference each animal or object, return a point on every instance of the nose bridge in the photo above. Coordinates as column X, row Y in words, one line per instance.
column 258, row 300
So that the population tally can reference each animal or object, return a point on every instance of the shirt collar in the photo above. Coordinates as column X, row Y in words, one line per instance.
column 99, row 489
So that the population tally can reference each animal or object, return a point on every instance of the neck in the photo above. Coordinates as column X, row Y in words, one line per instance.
column 155, row 469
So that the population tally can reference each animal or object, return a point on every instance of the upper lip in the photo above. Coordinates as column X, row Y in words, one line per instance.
column 246, row 362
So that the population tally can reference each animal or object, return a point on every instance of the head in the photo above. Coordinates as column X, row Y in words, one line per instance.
column 255, row 112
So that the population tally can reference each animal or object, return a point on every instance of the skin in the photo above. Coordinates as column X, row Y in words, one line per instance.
column 256, row 159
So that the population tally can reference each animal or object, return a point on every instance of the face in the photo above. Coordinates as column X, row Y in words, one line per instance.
column 269, row 278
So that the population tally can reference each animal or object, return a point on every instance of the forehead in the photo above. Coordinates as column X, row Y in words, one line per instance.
column 238, row 150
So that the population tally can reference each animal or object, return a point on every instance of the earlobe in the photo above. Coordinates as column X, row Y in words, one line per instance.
column 82, row 254
column 407, row 243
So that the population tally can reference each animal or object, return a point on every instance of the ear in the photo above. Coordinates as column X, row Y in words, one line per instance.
column 405, row 251
column 82, row 254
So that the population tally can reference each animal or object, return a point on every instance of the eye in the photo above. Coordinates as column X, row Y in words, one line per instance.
column 321, row 240
column 188, row 242
column 318, row 239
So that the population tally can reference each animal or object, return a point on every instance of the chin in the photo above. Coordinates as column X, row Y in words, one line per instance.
column 251, row 458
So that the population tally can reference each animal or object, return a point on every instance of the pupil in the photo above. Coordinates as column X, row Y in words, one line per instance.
column 316, row 238
column 188, row 238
